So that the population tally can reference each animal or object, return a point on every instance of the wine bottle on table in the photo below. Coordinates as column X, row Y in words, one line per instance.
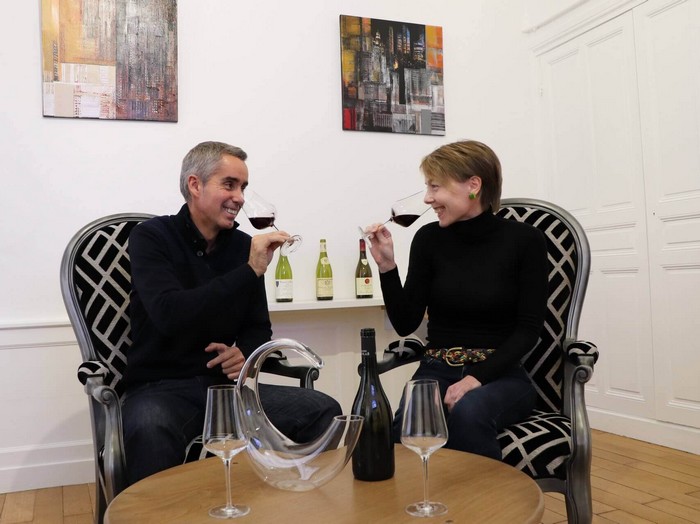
column 284, row 285
column 363, row 275
column 373, row 458
column 324, row 275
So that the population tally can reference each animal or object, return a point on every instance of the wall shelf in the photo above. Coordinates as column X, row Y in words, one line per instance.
column 309, row 305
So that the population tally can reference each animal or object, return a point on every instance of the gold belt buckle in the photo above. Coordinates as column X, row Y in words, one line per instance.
column 448, row 357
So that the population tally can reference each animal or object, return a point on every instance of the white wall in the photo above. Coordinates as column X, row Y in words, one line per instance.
column 264, row 76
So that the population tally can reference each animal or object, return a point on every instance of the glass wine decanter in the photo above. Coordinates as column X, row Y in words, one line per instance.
column 262, row 214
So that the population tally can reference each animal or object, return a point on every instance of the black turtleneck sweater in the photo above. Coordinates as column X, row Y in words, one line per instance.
column 183, row 298
column 484, row 284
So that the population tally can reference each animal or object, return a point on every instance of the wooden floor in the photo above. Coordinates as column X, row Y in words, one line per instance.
column 633, row 482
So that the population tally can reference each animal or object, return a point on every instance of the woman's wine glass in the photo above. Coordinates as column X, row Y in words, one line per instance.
column 404, row 212
column 423, row 430
column 262, row 214
column 221, row 437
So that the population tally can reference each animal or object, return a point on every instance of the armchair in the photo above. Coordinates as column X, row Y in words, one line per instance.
column 95, row 284
column 553, row 445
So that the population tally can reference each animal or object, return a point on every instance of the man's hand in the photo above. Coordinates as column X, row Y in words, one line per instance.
column 230, row 357
column 457, row 390
column 262, row 248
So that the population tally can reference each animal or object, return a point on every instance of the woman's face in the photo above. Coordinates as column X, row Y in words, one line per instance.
column 450, row 199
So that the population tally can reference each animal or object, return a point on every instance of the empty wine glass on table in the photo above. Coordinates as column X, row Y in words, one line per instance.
column 262, row 214
column 423, row 430
column 221, row 437
column 404, row 212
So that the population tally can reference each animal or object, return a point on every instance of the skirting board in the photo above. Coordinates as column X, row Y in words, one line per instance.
column 38, row 467
column 674, row 436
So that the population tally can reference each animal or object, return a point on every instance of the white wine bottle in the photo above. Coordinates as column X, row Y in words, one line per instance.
column 363, row 274
column 324, row 275
column 284, row 285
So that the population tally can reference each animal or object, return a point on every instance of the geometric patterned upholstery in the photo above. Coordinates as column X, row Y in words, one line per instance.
column 539, row 445
column 102, row 278
column 544, row 363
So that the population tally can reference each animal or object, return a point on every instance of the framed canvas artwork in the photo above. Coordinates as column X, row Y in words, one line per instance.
column 110, row 59
column 392, row 76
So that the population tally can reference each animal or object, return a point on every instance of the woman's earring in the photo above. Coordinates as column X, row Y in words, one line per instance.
column 472, row 196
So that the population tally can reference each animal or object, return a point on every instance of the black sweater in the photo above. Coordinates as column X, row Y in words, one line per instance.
column 183, row 299
column 484, row 284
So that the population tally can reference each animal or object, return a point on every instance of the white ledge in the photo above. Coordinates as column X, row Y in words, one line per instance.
column 341, row 303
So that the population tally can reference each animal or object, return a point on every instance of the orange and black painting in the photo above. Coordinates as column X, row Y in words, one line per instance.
column 392, row 76
column 110, row 59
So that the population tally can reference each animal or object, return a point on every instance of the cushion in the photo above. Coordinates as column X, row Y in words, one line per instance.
column 539, row 445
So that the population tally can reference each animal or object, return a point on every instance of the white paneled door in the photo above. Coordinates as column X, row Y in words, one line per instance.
column 593, row 166
column 668, row 63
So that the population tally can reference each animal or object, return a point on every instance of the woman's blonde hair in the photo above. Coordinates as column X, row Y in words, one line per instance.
column 459, row 161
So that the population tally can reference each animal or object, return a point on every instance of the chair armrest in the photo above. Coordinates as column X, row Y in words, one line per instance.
column 277, row 364
column 398, row 353
column 106, row 427
column 577, row 349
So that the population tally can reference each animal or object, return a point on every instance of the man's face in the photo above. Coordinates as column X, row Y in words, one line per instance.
column 216, row 204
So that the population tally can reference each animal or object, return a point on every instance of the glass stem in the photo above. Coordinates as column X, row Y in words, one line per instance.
column 227, row 469
column 425, row 480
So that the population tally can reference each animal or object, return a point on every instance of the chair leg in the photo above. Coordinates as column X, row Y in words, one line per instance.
column 579, row 503
column 100, row 503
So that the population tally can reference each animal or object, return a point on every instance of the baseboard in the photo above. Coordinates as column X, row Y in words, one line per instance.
column 674, row 436
column 38, row 467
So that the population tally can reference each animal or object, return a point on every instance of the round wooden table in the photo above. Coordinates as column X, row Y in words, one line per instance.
column 474, row 488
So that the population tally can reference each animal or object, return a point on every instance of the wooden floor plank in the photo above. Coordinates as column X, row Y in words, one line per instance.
column 635, row 509
column 692, row 479
column 48, row 507
column 18, row 507
column 76, row 500
column 620, row 490
column 622, row 517
column 679, row 510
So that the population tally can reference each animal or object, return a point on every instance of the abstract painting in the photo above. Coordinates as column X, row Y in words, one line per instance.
column 392, row 76
column 110, row 59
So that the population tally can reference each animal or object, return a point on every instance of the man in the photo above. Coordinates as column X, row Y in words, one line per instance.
column 198, row 309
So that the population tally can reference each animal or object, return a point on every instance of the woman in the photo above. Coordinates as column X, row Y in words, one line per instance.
column 483, row 281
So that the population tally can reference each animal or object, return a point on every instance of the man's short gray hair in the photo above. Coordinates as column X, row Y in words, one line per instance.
column 202, row 160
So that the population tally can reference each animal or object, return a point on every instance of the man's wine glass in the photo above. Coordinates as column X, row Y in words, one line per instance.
column 423, row 430
column 404, row 212
column 262, row 214
column 221, row 437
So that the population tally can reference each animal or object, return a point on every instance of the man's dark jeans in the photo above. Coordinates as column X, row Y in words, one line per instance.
column 161, row 418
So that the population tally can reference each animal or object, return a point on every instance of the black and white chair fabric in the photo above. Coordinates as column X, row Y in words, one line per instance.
column 96, row 283
column 553, row 445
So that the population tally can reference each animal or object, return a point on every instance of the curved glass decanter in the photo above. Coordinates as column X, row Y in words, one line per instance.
column 278, row 460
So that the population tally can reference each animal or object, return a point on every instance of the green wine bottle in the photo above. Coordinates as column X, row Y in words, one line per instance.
column 363, row 275
column 324, row 275
column 284, row 285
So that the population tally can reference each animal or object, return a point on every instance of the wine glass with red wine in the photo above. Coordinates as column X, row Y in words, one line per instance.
column 404, row 212
column 262, row 214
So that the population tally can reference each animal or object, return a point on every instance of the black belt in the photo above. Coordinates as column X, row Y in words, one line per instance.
column 458, row 356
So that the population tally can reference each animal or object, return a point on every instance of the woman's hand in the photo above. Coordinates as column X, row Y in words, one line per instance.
column 230, row 357
column 457, row 390
column 382, row 247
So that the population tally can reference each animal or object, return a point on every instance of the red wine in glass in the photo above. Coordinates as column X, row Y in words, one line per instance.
column 262, row 215
column 404, row 212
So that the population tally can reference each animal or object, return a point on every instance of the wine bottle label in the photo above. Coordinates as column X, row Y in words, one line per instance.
column 324, row 287
column 284, row 289
column 363, row 286
column 324, row 261
column 364, row 261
